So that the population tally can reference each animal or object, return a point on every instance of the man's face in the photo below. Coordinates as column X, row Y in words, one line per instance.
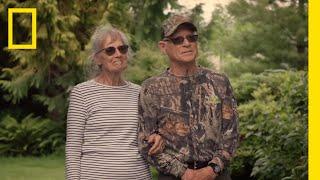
column 183, row 52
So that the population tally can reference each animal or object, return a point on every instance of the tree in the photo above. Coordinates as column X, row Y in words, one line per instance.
column 267, row 34
column 44, row 75
column 40, row 80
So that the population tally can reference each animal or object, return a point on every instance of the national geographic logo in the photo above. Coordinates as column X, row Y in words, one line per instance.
column 33, row 44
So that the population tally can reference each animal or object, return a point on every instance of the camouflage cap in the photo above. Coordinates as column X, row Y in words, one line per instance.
column 172, row 23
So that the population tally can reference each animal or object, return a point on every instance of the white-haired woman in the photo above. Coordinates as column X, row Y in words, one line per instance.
column 103, row 117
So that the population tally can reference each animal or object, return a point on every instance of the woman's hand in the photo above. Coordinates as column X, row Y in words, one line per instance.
column 158, row 144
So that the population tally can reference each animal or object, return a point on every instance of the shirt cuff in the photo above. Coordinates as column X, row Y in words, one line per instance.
column 178, row 169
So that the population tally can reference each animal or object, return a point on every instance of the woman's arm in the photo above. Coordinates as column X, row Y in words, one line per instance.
column 75, row 129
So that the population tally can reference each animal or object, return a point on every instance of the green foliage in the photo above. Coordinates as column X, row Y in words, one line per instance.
column 273, row 124
column 260, row 35
column 31, row 136
column 147, row 61
column 235, row 67
column 147, row 19
column 44, row 75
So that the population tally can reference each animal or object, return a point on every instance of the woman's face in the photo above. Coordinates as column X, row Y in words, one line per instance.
column 113, row 58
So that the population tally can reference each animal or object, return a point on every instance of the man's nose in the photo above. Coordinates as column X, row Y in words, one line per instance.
column 186, row 42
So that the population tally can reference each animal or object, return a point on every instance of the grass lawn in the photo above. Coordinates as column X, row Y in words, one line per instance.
column 33, row 168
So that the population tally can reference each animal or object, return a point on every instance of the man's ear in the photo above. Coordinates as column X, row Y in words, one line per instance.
column 162, row 46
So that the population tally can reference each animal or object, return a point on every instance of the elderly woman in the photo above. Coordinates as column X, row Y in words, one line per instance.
column 103, row 117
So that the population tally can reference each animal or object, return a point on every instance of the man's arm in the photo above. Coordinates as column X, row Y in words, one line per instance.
column 229, row 135
column 229, row 129
column 148, row 124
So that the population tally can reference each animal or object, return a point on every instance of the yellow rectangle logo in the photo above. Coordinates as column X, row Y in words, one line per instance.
column 33, row 44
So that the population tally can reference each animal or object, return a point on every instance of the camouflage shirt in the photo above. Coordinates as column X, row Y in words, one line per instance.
column 195, row 115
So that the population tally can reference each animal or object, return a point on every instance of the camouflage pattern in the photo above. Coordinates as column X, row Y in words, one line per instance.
column 171, row 24
column 196, row 116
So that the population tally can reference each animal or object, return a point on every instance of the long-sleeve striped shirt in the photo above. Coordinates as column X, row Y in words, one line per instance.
column 102, row 131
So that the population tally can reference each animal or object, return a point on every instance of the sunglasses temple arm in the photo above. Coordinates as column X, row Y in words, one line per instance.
column 98, row 51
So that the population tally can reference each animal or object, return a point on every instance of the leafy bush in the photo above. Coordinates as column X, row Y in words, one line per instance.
column 147, row 61
column 31, row 136
column 273, row 125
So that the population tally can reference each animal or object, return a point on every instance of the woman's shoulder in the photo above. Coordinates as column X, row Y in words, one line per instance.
column 134, row 86
column 83, row 86
column 90, row 85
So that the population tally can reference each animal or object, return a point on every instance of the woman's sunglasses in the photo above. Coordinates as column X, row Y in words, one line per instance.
column 111, row 50
column 180, row 39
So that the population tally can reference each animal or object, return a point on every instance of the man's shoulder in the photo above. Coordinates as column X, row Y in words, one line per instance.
column 154, row 81
column 214, row 76
column 220, row 81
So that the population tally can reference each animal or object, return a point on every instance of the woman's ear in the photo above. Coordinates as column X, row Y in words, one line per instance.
column 162, row 46
column 96, row 60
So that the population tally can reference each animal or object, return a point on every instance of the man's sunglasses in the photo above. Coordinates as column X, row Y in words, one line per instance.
column 111, row 50
column 180, row 39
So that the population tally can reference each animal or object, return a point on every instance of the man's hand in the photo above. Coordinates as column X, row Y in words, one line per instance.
column 205, row 173
column 200, row 174
column 158, row 144
column 189, row 174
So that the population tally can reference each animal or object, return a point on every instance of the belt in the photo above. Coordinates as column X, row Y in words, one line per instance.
column 197, row 164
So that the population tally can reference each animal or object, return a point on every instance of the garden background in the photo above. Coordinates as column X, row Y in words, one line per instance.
column 261, row 45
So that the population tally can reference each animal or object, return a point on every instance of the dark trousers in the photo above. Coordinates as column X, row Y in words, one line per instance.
column 225, row 175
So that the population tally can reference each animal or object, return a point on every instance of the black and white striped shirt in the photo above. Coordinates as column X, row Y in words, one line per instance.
column 102, row 133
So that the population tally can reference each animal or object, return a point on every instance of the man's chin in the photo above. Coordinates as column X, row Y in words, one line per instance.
column 187, row 60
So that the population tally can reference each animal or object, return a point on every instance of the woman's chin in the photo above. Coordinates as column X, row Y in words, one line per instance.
column 117, row 69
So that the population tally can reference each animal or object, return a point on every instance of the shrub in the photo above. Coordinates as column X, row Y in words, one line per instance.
column 31, row 136
column 273, row 125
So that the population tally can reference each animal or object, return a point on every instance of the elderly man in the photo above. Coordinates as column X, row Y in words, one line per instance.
column 191, row 107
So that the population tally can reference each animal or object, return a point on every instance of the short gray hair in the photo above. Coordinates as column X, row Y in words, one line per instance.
column 98, row 37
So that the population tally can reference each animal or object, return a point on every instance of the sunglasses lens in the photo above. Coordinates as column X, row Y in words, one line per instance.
column 123, row 49
column 177, row 40
column 192, row 38
column 110, row 51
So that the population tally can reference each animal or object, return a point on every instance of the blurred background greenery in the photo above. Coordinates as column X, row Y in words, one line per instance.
column 261, row 45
